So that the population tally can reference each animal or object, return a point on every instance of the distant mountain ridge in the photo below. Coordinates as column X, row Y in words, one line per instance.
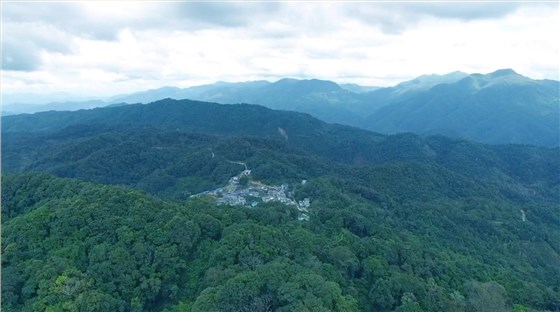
column 323, row 99
column 20, row 108
column 498, row 108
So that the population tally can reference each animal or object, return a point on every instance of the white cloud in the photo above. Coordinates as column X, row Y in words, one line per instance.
column 108, row 48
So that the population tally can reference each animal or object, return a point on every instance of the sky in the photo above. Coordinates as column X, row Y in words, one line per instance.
column 100, row 49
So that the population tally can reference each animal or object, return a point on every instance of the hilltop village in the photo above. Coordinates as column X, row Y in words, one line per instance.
column 242, row 191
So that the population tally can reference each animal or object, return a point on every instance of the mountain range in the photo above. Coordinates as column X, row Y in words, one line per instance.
column 498, row 108
column 501, row 107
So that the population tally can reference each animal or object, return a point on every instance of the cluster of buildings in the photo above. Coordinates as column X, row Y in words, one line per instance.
column 240, row 192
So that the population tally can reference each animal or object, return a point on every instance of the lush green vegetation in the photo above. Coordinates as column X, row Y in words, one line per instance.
column 70, row 245
column 397, row 223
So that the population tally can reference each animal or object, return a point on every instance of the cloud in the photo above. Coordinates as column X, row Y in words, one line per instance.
column 99, row 21
column 462, row 10
column 39, row 12
column 201, row 14
column 31, row 28
column 19, row 56
column 23, row 44
column 394, row 18
column 104, row 20
column 120, row 47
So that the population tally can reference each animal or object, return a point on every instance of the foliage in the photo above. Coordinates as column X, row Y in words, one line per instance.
column 397, row 223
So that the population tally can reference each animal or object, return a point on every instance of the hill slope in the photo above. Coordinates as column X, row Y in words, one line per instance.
column 501, row 107
column 396, row 222
column 323, row 99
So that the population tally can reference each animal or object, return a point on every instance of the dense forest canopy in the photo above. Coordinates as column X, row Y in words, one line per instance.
column 97, row 215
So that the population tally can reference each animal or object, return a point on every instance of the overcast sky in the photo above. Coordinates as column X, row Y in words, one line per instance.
column 110, row 48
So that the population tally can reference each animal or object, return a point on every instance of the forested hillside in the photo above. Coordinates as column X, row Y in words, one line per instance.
column 497, row 108
column 97, row 215
column 501, row 107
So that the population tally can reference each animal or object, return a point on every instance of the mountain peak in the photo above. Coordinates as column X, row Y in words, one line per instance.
column 310, row 85
column 503, row 72
column 425, row 82
column 499, row 77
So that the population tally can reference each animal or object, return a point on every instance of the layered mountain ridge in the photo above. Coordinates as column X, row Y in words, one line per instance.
column 497, row 108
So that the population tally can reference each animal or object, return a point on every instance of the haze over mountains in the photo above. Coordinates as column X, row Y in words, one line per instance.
column 498, row 108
